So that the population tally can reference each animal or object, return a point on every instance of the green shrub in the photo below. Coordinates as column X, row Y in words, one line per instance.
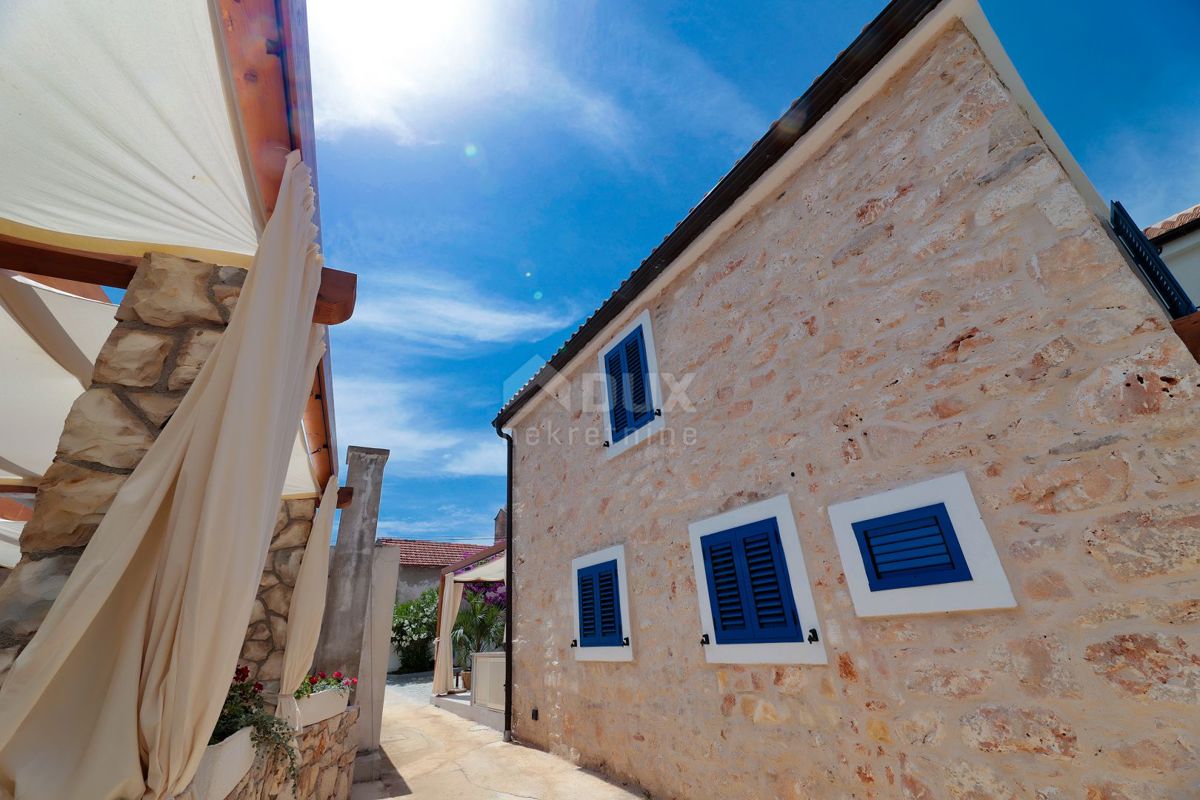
column 414, row 626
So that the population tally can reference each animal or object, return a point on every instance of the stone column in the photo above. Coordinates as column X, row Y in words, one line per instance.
column 173, row 313
column 350, row 569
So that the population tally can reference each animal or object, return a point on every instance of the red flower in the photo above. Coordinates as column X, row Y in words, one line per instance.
column 354, row 681
column 337, row 675
column 241, row 673
column 258, row 687
column 312, row 679
column 321, row 675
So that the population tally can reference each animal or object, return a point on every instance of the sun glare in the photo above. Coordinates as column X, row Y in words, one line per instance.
column 372, row 57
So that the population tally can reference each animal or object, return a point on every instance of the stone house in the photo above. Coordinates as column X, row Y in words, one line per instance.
column 876, row 478
column 1177, row 238
column 422, row 562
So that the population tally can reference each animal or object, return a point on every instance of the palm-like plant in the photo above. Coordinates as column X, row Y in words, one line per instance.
column 479, row 628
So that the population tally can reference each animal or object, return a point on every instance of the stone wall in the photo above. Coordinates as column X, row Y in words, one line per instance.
column 928, row 294
column 326, row 749
column 266, row 636
column 171, row 317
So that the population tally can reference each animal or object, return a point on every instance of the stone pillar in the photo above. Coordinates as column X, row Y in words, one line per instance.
column 501, row 533
column 350, row 569
column 172, row 315
column 266, row 636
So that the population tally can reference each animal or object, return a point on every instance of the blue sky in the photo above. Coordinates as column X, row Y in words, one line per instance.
column 492, row 172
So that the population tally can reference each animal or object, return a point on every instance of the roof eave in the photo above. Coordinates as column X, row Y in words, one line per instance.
column 876, row 40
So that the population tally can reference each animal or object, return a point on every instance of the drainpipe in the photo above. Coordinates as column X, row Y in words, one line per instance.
column 508, row 586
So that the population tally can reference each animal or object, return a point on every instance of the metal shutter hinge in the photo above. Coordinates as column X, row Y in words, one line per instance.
column 812, row 636
column 658, row 412
column 625, row 642
column 606, row 444
column 704, row 639
column 574, row 643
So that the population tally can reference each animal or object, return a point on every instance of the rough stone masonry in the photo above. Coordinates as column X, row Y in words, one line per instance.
column 171, row 317
column 928, row 294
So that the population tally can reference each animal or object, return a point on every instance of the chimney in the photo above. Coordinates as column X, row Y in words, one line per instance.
column 501, row 527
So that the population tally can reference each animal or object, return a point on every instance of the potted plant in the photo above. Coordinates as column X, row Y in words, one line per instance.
column 320, row 697
column 243, row 727
column 480, row 625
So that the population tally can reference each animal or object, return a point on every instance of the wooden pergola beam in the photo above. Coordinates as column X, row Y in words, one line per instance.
column 335, row 298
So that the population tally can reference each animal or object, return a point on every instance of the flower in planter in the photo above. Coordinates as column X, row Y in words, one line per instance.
column 244, row 707
column 320, row 681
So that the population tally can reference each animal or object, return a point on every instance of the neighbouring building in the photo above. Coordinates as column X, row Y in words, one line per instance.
column 878, row 478
column 422, row 562
column 1178, row 239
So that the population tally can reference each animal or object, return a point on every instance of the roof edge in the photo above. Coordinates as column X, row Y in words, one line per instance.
column 876, row 40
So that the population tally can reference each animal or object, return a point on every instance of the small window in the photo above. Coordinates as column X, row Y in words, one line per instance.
column 748, row 586
column 756, row 606
column 911, row 548
column 601, row 605
column 632, row 398
column 919, row 549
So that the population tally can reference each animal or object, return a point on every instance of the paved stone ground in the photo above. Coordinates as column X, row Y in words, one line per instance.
column 435, row 755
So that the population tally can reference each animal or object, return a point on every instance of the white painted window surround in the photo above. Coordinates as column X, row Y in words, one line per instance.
column 779, row 508
column 625, row 652
column 988, row 587
column 656, row 396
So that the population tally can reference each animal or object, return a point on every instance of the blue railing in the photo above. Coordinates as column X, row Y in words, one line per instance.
column 1150, row 264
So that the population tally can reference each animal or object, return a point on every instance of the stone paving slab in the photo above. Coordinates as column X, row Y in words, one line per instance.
column 430, row 754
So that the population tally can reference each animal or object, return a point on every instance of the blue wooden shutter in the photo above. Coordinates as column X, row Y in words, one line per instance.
column 631, row 404
column 600, row 606
column 614, row 365
column 911, row 548
column 749, row 589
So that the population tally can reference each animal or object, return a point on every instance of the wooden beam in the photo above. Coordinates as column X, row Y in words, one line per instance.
column 71, row 265
column 335, row 298
column 297, row 84
column 251, row 32
column 1188, row 329
column 17, row 488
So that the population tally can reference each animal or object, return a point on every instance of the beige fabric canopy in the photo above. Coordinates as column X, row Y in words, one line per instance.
column 452, row 594
column 119, row 690
column 10, row 542
column 308, row 607
column 49, row 340
column 119, row 133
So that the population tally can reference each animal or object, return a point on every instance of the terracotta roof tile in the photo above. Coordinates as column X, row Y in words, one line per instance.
column 1171, row 223
column 423, row 553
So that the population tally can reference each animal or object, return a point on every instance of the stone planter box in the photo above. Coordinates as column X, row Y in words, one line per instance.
column 316, row 707
column 223, row 766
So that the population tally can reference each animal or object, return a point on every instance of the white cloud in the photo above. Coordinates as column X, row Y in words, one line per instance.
column 450, row 315
column 403, row 67
column 450, row 523
column 1153, row 169
column 416, row 70
column 402, row 416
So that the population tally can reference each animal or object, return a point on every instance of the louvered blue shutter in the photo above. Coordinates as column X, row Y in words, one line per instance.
column 911, row 548
column 749, row 589
column 600, row 606
column 614, row 365
column 631, row 403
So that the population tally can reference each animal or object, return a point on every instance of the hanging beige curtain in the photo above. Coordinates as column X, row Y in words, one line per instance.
column 443, row 656
column 118, row 692
column 308, row 607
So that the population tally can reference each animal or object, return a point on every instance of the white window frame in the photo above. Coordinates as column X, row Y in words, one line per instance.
column 804, row 652
column 988, row 587
column 660, row 420
column 607, row 653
